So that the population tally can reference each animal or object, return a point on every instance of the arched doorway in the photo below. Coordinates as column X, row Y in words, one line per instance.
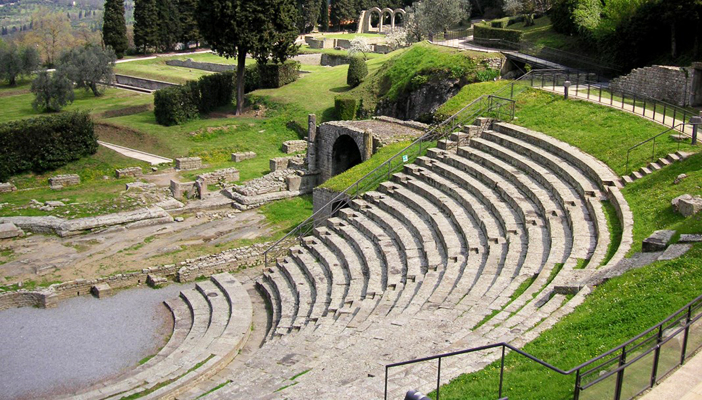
column 345, row 154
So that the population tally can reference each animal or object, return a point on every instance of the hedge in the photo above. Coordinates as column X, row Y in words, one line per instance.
column 357, row 71
column 177, row 104
column 216, row 90
column 45, row 143
column 273, row 76
column 486, row 32
column 346, row 107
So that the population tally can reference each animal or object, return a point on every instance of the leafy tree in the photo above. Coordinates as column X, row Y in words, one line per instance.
column 52, row 92
column 512, row 7
column 188, row 23
column 51, row 33
column 359, row 46
column 16, row 61
column 308, row 11
column 114, row 28
column 323, row 16
column 342, row 10
column 263, row 28
column 88, row 66
column 169, row 31
column 434, row 16
column 145, row 24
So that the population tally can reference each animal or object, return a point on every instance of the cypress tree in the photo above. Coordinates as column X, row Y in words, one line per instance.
column 145, row 24
column 168, row 24
column 114, row 28
column 341, row 11
column 323, row 16
column 188, row 22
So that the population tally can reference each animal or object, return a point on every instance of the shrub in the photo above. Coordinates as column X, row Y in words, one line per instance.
column 346, row 107
column 176, row 104
column 357, row 71
column 273, row 76
column 252, row 79
column 216, row 90
column 486, row 32
column 46, row 143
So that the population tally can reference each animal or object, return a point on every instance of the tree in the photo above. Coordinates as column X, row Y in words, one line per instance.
column 88, row 66
column 512, row 7
column 169, row 30
column 341, row 11
column 263, row 28
column 51, row 33
column 188, row 22
column 52, row 92
column 114, row 28
column 434, row 16
column 16, row 61
column 357, row 70
column 308, row 11
column 359, row 46
column 145, row 24
column 323, row 16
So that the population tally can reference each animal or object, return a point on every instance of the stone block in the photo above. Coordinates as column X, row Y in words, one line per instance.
column 7, row 188
column 294, row 146
column 687, row 205
column 59, row 181
column 690, row 238
column 658, row 241
column 220, row 175
column 279, row 163
column 246, row 155
column 674, row 251
column 188, row 163
column 101, row 290
column 156, row 281
column 131, row 172
column 9, row 230
column 183, row 189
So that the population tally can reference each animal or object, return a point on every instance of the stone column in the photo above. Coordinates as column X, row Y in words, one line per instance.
column 367, row 144
column 311, row 142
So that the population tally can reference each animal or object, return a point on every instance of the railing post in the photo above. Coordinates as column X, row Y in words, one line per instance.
column 623, row 99
column 644, row 108
column 599, row 98
column 588, row 90
column 511, row 94
column 665, row 109
column 656, row 356
column 502, row 372
column 675, row 113
column 577, row 83
column 576, row 392
column 687, row 332
column 633, row 108
column 438, row 379
column 654, row 110
column 620, row 376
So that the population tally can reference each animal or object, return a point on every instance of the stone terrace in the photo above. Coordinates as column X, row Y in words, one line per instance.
column 413, row 268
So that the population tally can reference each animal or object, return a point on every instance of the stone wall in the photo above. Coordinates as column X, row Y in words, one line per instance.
column 332, row 60
column 7, row 188
column 141, row 82
column 131, row 172
column 220, row 175
column 326, row 137
column 246, row 155
column 189, row 63
column 670, row 84
column 59, row 181
column 181, row 190
column 188, row 163
column 320, row 202
column 281, row 163
column 294, row 146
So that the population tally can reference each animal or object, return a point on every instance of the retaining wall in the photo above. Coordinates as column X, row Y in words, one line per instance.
column 142, row 82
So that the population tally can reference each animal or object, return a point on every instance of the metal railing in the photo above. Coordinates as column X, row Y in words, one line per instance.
column 623, row 372
column 653, row 140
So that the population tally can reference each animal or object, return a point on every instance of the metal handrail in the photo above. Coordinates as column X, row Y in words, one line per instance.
column 685, row 312
column 653, row 138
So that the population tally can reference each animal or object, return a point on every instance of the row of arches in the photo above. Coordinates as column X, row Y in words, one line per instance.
column 375, row 19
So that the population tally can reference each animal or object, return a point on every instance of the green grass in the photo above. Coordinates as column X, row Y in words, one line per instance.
column 649, row 199
column 670, row 112
column 543, row 34
column 157, row 69
column 616, row 311
column 467, row 94
column 614, row 226
column 287, row 214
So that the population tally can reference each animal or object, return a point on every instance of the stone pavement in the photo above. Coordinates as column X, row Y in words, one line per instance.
column 136, row 154
column 683, row 384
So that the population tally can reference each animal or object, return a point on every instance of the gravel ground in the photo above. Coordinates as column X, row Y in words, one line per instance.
column 44, row 353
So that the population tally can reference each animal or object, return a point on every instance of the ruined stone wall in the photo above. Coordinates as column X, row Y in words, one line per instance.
column 324, row 144
column 670, row 84
column 220, row 175
column 189, row 63
column 141, row 82
column 59, row 181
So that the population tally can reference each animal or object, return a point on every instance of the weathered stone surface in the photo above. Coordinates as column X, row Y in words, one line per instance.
column 131, row 172
column 220, row 176
column 294, row 146
column 687, row 205
column 184, row 190
column 281, row 163
column 660, row 82
column 188, row 163
column 658, row 241
column 674, row 251
column 139, row 185
column 101, row 290
column 690, row 238
column 59, row 181
column 189, row 63
column 679, row 179
column 9, row 230
column 7, row 188
column 246, row 155
column 170, row 204
column 156, row 281
column 54, row 203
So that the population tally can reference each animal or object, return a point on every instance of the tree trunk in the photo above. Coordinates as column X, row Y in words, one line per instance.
column 240, row 70
column 94, row 88
column 13, row 81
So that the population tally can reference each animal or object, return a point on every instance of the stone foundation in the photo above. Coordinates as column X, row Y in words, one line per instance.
column 59, row 181
column 280, row 163
column 221, row 175
column 188, row 163
column 239, row 157
column 131, row 172
column 184, row 190
column 294, row 146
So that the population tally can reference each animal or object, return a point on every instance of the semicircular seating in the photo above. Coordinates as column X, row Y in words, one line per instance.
column 472, row 244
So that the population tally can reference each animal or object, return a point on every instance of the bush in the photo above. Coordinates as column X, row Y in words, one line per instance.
column 346, row 107
column 216, row 90
column 273, row 76
column 252, row 79
column 357, row 71
column 46, row 143
column 176, row 104
column 486, row 32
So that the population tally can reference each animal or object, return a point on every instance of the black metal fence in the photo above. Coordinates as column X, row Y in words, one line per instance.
column 621, row 373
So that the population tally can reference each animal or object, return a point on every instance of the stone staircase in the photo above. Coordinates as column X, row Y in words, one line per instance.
column 212, row 322
column 655, row 166
column 488, row 238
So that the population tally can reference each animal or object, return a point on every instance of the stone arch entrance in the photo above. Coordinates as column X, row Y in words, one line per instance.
column 345, row 154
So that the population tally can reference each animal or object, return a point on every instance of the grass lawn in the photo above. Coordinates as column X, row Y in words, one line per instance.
column 157, row 69
column 615, row 311
column 670, row 112
column 543, row 34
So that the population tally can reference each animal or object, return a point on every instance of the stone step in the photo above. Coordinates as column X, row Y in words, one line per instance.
column 287, row 300
column 326, row 292
column 266, row 290
column 336, row 273
column 350, row 262
column 305, row 292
